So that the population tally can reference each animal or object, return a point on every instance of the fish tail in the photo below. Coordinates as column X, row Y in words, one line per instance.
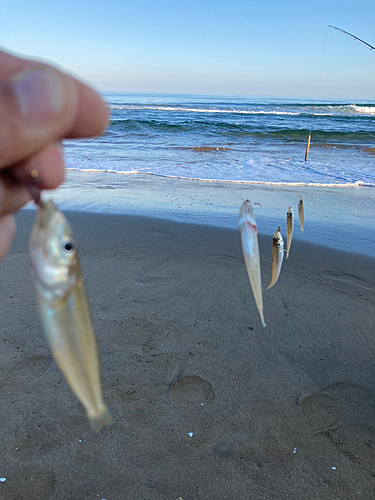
column 262, row 319
column 98, row 420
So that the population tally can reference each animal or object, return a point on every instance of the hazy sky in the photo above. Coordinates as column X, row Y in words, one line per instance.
column 268, row 47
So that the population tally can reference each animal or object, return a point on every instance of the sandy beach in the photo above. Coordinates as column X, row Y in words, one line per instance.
column 206, row 403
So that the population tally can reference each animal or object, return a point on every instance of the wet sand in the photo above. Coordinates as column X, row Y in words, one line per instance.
column 338, row 217
column 207, row 404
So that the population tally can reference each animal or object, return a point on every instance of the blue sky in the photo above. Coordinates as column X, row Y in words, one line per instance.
column 269, row 47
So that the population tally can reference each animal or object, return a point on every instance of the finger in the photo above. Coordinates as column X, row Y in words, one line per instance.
column 7, row 232
column 91, row 114
column 49, row 164
column 13, row 195
column 37, row 106
column 9, row 65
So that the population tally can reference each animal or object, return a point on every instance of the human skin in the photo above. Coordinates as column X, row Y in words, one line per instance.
column 39, row 107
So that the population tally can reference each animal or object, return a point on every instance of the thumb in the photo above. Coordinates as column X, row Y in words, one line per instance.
column 37, row 106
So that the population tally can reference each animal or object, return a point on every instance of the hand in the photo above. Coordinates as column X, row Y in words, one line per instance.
column 39, row 106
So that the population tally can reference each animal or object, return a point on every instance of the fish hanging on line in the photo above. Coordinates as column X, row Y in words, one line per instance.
column 64, row 309
column 301, row 214
column 250, row 247
column 277, row 256
column 289, row 229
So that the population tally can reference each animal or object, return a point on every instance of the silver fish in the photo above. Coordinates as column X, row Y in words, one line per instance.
column 300, row 213
column 64, row 309
column 289, row 229
column 250, row 247
column 277, row 256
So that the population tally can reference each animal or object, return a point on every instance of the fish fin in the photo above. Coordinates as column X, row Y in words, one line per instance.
column 262, row 319
column 302, row 230
column 101, row 419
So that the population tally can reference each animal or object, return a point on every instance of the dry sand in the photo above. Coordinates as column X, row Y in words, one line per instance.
column 207, row 404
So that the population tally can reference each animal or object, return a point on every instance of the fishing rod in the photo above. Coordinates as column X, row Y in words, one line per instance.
column 355, row 37
column 371, row 47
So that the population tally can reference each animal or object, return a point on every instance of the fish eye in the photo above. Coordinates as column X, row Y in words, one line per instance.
column 68, row 245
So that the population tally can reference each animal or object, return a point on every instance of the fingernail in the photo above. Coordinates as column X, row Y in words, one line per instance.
column 40, row 95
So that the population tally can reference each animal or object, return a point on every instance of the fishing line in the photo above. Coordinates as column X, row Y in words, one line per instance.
column 316, row 95
column 371, row 47
column 32, row 186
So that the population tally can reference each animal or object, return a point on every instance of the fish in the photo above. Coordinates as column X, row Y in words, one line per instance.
column 289, row 229
column 64, row 309
column 250, row 248
column 300, row 213
column 277, row 256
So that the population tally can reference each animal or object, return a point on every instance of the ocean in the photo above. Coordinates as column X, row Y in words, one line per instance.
column 233, row 138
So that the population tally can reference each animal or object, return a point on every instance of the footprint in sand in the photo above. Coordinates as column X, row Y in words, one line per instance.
column 191, row 392
column 354, row 437
column 320, row 411
column 326, row 410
